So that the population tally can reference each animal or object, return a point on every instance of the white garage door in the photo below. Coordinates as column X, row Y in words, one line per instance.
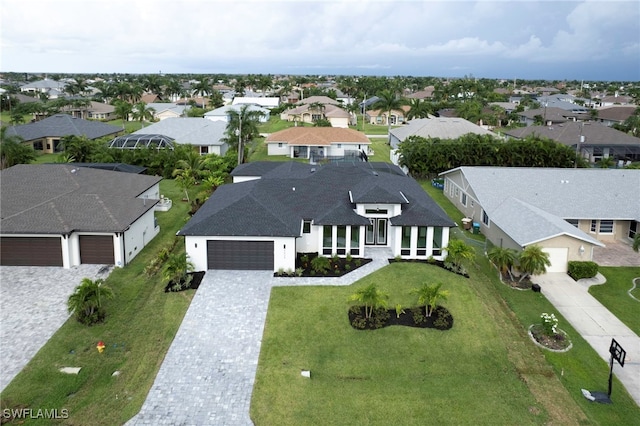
column 558, row 258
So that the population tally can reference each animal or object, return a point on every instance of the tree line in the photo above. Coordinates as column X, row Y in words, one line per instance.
column 427, row 157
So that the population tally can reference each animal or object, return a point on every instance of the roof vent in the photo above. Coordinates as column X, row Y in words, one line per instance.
column 313, row 170
column 294, row 188
column 375, row 173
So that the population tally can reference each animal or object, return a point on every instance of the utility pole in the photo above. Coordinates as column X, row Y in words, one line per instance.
column 580, row 140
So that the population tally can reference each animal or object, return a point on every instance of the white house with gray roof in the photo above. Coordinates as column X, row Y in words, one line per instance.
column 275, row 210
column 566, row 211
column 222, row 113
column 205, row 135
column 66, row 215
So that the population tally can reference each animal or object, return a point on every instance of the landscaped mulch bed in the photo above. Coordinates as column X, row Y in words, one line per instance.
column 434, row 262
column 440, row 319
column 555, row 342
column 195, row 282
column 337, row 266
column 525, row 284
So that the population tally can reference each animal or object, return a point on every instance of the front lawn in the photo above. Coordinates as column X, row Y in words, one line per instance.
column 141, row 323
column 614, row 295
column 400, row 375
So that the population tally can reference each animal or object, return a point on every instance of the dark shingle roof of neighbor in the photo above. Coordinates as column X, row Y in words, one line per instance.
column 290, row 192
column 60, row 125
column 569, row 134
column 114, row 167
column 61, row 198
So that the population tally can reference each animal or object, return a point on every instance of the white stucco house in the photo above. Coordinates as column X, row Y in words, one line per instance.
column 316, row 143
column 66, row 215
column 222, row 113
column 275, row 210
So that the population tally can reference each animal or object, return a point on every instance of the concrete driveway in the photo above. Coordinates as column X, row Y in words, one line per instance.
column 596, row 325
column 33, row 305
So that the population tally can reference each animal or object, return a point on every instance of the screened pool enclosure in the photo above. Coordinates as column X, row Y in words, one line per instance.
column 135, row 141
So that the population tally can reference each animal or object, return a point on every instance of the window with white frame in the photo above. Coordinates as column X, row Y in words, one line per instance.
column 341, row 239
column 606, row 227
column 437, row 241
column 306, row 227
column 633, row 229
column 485, row 218
column 327, row 239
column 422, row 241
column 405, row 248
column 464, row 199
column 355, row 241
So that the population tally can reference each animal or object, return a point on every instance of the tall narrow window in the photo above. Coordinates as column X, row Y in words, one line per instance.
column 437, row 241
column 306, row 227
column 405, row 250
column 327, row 239
column 594, row 225
column 422, row 240
column 341, row 239
column 464, row 199
column 355, row 240
column 485, row 218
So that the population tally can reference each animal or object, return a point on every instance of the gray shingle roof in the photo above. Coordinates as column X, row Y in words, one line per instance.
column 188, row 130
column 60, row 125
column 439, row 127
column 61, row 198
column 276, row 204
column 569, row 134
column 566, row 193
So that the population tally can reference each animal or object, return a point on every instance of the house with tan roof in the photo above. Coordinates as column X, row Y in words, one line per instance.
column 317, row 143
column 397, row 116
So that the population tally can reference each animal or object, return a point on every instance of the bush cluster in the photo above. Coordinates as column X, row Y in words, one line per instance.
column 578, row 269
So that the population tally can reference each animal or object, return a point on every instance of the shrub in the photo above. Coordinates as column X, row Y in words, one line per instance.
column 349, row 258
column 86, row 301
column 320, row 264
column 419, row 315
column 443, row 319
column 299, row 272
column 578, row 270
column 549, row 324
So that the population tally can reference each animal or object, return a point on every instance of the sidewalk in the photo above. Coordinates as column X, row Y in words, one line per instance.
column 595, row 324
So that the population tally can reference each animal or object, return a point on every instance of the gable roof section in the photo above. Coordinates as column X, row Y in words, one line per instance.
column 317, row 136
column 566, row 193
column 60, row 125
column 527, row 224
column 438, row 127
column 188, row 130
column 276, row 204
column 61, row 198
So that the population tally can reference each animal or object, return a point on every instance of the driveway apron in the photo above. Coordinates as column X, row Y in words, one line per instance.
column 596, row 325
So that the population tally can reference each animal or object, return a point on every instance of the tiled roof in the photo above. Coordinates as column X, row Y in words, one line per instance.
column 317, row 136
column 63, row 198
column 61, row 125
column 276, row 204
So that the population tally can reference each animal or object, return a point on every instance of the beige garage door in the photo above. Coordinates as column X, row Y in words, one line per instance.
column 559, row 259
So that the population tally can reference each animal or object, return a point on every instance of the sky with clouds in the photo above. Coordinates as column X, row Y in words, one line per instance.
column 590, row 40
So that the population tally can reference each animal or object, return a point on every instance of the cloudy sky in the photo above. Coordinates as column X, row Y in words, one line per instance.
column 590, row 40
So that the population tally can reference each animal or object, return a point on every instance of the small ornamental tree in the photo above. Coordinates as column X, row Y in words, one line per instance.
column 458, row 251
column 371, row 298
column 86, row 301
column 176, row 270
column 503, row 258
column 428, row 295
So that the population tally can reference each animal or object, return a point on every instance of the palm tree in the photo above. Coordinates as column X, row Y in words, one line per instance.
column 371, row 298
column 458, row 251
column 142, row 113
column 176, row 269
column 12, row 151
column 388, row 102
column 503, row 258
column 533, row 261
column 419, row 109
column 86, row 301
column 241, row 128
column 429, row 295
column 201, row 88
column 122, row 110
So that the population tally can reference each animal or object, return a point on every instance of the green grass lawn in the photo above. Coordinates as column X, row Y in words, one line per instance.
column 129, row 126
column 46, row 158
column 614, row 295
column 141, row 323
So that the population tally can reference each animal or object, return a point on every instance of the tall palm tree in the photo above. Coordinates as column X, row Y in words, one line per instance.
column 86, row 301
column 503, row 258
column 388, row 102
column 419, row 109
column 122, row 110
column 12, row 151
column 533, row 261
column 202, row 87
column 142, row 113
column 242, row 128
column 428, row 295
column 371, row 298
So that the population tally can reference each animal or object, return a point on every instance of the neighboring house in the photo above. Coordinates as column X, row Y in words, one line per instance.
column 162, row 111
column 397, row 116
column 316, row 143
column 596, row 141
column 45, row 135
column 278, row 210
column 568, row 212
column 549, row 116
column 94, row 111
column 615, row 114
column 437, row 127
column 508, row 107
column 312, row 112
column 566, row 102
column 205, row 135
column 65, row 215
column 615, row 99
column 222, row 113
column 265, row 102
column 51, row 88
column 427, row 93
